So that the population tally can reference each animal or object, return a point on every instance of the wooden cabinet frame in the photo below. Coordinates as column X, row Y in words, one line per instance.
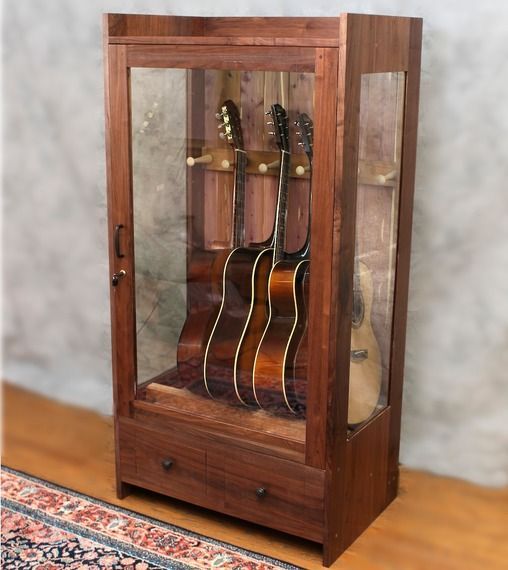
column 356, row 475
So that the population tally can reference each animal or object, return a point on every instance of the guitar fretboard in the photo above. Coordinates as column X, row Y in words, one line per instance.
column 281, row 211
column 239, row 198
column 305, row 250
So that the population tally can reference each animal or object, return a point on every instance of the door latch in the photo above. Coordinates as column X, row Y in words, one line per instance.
column 117, row 276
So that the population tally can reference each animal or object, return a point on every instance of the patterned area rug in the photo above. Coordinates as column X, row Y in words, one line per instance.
column 48, row 527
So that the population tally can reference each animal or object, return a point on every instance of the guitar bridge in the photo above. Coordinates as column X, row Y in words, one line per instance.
column 359, row 355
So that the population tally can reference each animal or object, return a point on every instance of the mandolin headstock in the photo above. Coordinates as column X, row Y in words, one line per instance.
column 306, row 128
column 280, row 125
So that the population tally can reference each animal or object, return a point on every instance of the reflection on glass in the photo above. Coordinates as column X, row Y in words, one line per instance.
column 221, row 211
column 381, row 118
column 158, row 122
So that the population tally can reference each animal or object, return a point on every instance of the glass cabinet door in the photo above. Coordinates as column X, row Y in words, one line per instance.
column 222, row 167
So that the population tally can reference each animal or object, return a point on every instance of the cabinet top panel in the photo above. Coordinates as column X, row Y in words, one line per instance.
column 260, row 31
column 140, row 28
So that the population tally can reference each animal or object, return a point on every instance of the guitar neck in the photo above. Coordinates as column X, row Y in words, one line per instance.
column 358, row 311
column 281, row 209
column 239, row 198
column 304, row 252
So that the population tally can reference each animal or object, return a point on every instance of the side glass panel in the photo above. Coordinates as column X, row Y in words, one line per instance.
column 381, row 121
column 221, row 210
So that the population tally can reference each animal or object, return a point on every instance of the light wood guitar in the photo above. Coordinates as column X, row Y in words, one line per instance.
column 365, row 364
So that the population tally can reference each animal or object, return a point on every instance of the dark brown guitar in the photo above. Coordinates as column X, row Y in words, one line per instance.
column 231, row 350
column 280, row 367
column 204, row 280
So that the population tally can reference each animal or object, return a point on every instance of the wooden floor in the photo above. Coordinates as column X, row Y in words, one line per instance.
column 435, row 524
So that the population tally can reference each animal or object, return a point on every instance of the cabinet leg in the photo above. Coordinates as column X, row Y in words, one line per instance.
column 123, row 489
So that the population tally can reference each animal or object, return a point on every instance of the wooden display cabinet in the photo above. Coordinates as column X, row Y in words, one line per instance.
column 286, row 419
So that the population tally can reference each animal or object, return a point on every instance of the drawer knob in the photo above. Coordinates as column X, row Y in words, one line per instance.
column 260, row 492
column 167, row 464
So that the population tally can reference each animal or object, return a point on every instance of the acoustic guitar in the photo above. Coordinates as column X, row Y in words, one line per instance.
column 231, row 349
column 280, row 367
column 205, row 268
column 365, row 373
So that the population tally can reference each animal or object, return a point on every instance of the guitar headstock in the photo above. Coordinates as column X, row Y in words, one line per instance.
column 280, row 125
column 231, row 124
column 306, row 128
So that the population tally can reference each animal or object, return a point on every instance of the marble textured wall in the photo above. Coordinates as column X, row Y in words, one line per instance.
column 56, row 315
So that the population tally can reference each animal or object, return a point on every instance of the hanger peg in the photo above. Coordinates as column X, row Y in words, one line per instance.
column 204, row 159
column 384, row 178
column 301, row 170
column 264, row 168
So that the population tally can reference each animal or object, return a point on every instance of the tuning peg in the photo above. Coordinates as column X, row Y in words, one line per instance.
column 269, row 122
column 300, row 143
column 222, row 136
column 298, row 133
column 268, row 112
column 271, row 132
column 222, row 125
column 219, row 115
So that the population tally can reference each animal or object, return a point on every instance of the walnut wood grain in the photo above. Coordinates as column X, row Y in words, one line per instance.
column 158, row 28
column 210, row 412
column 221, row 57
column 366, row 476
column 358, row 53
column 321, row 298
column 225, row 40
column 201, row 471
column 119, row 196
column 143, row 453
column 404, row 250
column 147, row 25
column 289, row 492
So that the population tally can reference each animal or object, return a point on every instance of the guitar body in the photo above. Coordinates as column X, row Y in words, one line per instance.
column 365, row 368
column 276, row 369
column 204, row 287
column 300, row 367
column 206, row 269
column 241, row 319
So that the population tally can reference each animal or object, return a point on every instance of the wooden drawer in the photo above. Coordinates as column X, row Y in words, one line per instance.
column 274, row 492
column 224, row 478
column 143, row 452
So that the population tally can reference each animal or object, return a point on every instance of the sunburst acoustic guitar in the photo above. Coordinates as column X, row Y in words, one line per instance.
column 231, row 349
column 205, row 269
column 279, row 374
